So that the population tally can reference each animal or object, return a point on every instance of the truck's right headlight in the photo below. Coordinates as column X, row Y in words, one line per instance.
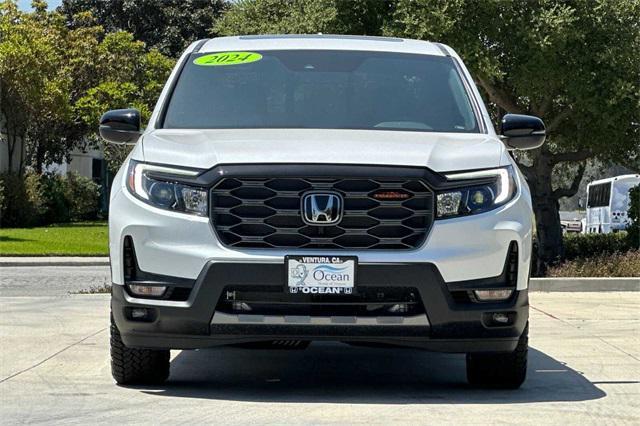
column 487, row 190
column 156, row 185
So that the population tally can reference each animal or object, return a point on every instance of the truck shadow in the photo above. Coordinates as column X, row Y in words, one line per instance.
column 337, row 373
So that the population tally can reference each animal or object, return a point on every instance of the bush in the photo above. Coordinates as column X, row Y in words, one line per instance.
column 612, row 265
column 592, row 245
column 82, row 194
column 56, row 200
column 36, row 193
column 17, row 209
column 35, row 199
column 633, row 231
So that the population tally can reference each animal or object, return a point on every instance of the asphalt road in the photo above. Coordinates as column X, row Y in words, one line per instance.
column 54, row 367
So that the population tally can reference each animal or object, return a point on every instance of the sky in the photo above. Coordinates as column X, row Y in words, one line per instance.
column 26, row 4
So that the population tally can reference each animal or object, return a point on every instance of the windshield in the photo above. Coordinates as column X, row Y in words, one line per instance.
column 621, row 199
column 320, row 89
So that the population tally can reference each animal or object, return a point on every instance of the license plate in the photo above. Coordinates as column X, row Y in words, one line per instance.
column 321, row 274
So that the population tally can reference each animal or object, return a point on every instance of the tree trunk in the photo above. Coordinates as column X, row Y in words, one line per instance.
column 547, row 214
column 10, row 148
column 22, row 149
column 39, row 160
column 548, row 232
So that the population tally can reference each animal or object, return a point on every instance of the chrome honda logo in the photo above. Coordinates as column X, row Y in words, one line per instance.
column 321, row 208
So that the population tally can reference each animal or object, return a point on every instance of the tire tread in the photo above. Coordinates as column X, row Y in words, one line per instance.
column 501, row 370
column 136, row 366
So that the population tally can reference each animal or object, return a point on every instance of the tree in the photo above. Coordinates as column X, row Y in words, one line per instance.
column 304, row 16
column 55, row 82
column 34, row 84
column 130, row 77
column 573, row 63
column 169, row 25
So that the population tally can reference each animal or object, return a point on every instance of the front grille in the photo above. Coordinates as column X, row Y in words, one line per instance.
column 266, row 213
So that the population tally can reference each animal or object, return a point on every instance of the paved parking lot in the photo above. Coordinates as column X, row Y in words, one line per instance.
column 54, row 366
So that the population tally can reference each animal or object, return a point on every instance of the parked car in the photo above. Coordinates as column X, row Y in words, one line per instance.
column 571, row 222
column 298, row 188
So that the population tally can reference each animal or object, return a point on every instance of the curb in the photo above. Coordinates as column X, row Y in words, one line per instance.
column 54, row 261
column 584, row 284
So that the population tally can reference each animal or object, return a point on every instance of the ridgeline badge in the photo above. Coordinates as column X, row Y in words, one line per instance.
column 227, row 58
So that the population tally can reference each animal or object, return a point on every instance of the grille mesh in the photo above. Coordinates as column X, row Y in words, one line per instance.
column 265, row 213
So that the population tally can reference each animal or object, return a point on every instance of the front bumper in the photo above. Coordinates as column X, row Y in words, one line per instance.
column 451, row 325
column 465, row 252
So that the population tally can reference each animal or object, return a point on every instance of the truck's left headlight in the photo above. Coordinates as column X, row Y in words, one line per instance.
column 479, row 191
column 158, row 186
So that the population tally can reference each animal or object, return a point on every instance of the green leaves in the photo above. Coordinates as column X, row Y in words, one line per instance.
column 105, row 96
column 168, row 26
column 129, row 77
column 304, row 17
column 277, row 17
column 34, row 82
column 56, row 82
column 573, row 60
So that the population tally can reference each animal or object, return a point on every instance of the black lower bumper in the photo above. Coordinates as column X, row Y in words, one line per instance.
column 454, row 325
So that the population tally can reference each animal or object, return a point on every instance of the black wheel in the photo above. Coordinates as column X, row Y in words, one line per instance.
column 136, row 366
column 500, row 370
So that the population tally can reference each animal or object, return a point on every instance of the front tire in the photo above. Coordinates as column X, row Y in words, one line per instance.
column 500, row 370
column 136, row 366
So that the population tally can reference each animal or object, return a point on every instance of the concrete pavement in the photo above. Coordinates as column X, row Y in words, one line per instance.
column 54, row 366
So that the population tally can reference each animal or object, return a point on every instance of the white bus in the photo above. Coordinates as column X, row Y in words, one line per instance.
column 608, row 203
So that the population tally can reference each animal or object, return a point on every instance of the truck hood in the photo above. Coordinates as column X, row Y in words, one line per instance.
column 207, row 148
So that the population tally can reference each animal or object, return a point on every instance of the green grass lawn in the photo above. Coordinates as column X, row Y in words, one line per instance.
column 68, row 239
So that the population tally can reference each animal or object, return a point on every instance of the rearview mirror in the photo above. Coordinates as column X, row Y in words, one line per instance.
column 120, row 126
column 522, row 131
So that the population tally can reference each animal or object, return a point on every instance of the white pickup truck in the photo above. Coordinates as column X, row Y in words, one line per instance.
column 300, row 188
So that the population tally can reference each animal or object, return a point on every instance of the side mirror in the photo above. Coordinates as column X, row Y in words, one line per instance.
column 522, row 131
column 120, row 126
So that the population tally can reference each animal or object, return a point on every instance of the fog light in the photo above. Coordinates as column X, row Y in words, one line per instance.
column 138, row 313
column 491, row 295
column 148, row 290
column 500, row 318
